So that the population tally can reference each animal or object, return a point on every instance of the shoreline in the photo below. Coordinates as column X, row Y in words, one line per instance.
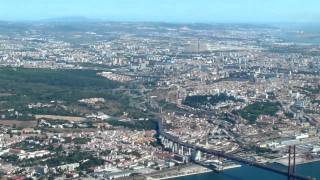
column 307, row 164
column 184, row 175
column 309, row 161
column 299, row 161
column 194, row 169
column 187, row 170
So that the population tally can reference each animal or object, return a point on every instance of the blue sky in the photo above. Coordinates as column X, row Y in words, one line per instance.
column 165, row 10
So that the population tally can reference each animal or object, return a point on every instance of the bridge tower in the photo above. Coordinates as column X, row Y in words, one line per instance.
column 196, row 155
column 189, row 152
column 175, row 148
column 291, row 164
column 181, row 150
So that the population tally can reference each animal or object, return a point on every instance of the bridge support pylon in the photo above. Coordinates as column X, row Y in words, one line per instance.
column 196, row 155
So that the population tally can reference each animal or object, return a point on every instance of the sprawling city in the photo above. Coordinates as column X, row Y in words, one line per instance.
column 95, row 99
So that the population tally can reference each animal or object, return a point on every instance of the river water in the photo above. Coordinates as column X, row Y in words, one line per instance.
column 252, row 173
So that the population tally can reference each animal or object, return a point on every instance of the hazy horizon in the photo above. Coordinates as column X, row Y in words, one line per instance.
column 177, row 11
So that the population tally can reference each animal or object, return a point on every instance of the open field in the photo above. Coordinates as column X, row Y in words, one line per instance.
column 19, row 124
column 66, row 118
column 5, row 94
